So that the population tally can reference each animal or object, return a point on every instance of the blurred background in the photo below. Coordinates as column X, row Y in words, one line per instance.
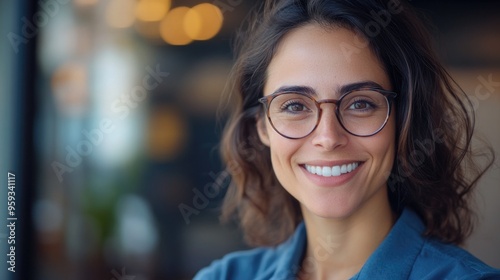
column 108, row 119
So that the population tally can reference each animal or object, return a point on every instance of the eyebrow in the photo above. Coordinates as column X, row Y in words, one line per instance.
column 359, row 85
column 342, row 90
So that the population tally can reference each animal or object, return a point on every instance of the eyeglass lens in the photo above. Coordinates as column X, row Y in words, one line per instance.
column 361, row 113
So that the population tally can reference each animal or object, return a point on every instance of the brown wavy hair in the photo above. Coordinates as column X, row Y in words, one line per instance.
column 434, row 120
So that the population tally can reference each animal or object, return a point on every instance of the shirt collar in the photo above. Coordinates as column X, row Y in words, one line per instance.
column 395, row 256
column 288, row 265
column 393, row 259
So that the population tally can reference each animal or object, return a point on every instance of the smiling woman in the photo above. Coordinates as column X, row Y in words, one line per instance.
column 337, row 95
column 300, row 60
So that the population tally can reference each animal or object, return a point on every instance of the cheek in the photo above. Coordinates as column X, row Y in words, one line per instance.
column 281, row 150
column 282, row 153
column 385, row 146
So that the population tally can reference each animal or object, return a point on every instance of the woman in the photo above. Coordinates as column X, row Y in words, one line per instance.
column 346, row 149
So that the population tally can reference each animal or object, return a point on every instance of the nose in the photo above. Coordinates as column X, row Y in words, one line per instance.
column 329, row 134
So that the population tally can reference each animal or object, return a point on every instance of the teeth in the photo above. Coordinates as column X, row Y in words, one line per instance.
column 343, row 169
column 328, row 171
column 336, row 171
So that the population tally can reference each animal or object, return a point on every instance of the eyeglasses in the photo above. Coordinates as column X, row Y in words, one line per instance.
column 361, row 112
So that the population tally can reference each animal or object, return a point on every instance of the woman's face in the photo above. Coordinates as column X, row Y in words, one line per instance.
column 326, row 60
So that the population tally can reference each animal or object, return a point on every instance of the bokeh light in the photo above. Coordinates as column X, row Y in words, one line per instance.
column 121, row 13
column 70, row 88
column 171, row 29
column 167, row 133
column 203, row 21
column 152, row 10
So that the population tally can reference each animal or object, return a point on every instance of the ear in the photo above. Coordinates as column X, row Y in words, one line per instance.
column 262, row 130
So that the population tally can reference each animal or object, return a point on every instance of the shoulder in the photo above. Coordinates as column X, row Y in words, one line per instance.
column 241, row 265
column 259, row 263
column 438, row 260
column 435, row 259
column 407, row 254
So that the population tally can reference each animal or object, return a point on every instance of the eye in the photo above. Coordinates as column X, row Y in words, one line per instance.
column 295, row 107
column 292, row 104
column 361, row 105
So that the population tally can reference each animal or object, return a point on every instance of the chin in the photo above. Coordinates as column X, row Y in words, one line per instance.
column 329, row 209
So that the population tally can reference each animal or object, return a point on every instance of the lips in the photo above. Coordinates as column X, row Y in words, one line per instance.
column 331, row 171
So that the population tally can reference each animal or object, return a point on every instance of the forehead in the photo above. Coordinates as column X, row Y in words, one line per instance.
column 324, row 59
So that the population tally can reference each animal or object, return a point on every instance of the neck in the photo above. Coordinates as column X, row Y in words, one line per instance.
column 338, row 248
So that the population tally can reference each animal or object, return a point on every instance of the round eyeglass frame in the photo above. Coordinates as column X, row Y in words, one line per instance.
column 389, row 96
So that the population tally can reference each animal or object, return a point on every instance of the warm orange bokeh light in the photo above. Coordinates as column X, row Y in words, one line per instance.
column 152, row 10
column 167, row 133
column 171, row 28
column 203, row 21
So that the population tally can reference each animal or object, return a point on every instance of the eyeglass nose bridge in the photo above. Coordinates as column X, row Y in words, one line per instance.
column 320, row 111
column 326, row 101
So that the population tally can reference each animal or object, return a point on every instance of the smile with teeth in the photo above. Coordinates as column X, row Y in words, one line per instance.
column 329, row 171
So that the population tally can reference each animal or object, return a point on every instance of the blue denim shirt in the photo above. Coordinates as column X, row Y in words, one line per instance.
column 404, row 254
